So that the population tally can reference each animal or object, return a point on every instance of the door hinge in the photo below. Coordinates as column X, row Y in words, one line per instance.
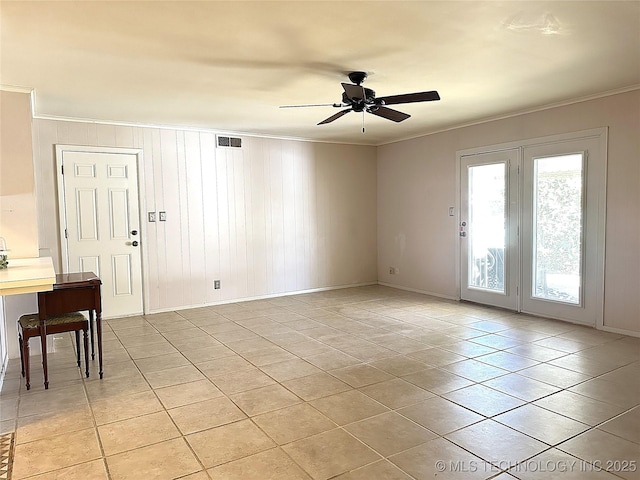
column 62, row 169
column 66, row 234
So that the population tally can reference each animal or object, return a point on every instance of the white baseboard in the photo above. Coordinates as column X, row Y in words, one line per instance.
column 262, row 297
column 415, row 290
column 621, row 331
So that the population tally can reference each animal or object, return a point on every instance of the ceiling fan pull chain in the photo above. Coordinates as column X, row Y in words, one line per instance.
column 362, row 121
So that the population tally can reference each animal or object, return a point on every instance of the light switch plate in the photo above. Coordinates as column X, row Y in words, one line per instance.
column 163, row 216
column 152, row 216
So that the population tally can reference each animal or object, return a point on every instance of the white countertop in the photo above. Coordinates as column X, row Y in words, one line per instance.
column 27, row 275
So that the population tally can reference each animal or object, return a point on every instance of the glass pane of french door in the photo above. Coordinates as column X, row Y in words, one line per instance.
column 557, row 228
column 488, row 228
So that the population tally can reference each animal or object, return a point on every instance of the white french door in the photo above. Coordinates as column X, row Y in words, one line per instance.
column 489, row 228
column 532, row 227
column 562, row 230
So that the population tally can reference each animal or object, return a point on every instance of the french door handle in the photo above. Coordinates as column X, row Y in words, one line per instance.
column 463, row 226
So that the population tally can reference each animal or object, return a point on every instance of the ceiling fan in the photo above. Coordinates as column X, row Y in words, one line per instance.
column 361, row 99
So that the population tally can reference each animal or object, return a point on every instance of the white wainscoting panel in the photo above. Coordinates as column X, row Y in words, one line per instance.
column 273, row 217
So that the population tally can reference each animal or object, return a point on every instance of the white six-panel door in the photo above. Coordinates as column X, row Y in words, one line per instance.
column 100, row 223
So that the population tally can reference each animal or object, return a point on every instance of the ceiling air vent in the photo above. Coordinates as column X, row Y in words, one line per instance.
column 231, row 142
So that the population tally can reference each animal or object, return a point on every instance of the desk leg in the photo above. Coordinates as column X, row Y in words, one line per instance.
column 43, row 342
column 93, row 355
column 99, row 328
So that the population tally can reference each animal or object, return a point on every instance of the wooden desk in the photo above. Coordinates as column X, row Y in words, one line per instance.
column 72, row 292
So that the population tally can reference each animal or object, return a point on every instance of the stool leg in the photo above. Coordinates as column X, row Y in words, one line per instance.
column 43, row 341
column 25, row 344
column 86, row 351
column 78, row 348
column 21, row 353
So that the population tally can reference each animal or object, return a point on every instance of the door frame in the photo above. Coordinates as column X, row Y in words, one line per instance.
column 601, row 135
column 142, row 206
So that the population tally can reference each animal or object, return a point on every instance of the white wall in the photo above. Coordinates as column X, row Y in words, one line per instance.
column 14, row 307
column 417, row 185
column 277, row 216
column 3, row 342
column 290, row 215
column 17, row 196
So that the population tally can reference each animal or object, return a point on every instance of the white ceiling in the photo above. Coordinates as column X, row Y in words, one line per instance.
column 229, row 65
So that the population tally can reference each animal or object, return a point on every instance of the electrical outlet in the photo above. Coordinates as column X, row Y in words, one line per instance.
column 163, row 216
column 394, row 270
column 152, row 216
column 216, row 284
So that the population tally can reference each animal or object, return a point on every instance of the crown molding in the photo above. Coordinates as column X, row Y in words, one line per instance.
column 15, row 88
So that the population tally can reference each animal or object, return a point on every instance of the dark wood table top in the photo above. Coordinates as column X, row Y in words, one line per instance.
column 69, row 280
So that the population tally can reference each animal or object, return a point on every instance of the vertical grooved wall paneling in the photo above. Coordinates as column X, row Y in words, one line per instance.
column 150, row 241
column 171, row 229
column 274, row 217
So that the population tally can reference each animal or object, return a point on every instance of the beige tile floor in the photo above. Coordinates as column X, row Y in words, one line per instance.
column 360, row 383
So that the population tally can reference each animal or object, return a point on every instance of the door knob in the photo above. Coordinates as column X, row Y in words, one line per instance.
column 134, row 232
column 134, row 243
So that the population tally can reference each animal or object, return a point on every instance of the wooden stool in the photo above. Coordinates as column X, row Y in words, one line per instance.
column 29, row 326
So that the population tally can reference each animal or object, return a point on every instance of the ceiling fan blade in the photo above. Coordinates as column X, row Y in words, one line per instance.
column 335, row 116
column 409, row 98
column 389, row 114
column 354, row 92
column 314, row 105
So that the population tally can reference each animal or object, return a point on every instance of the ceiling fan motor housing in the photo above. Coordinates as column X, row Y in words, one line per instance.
column 359, row 104
column 357, row 77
